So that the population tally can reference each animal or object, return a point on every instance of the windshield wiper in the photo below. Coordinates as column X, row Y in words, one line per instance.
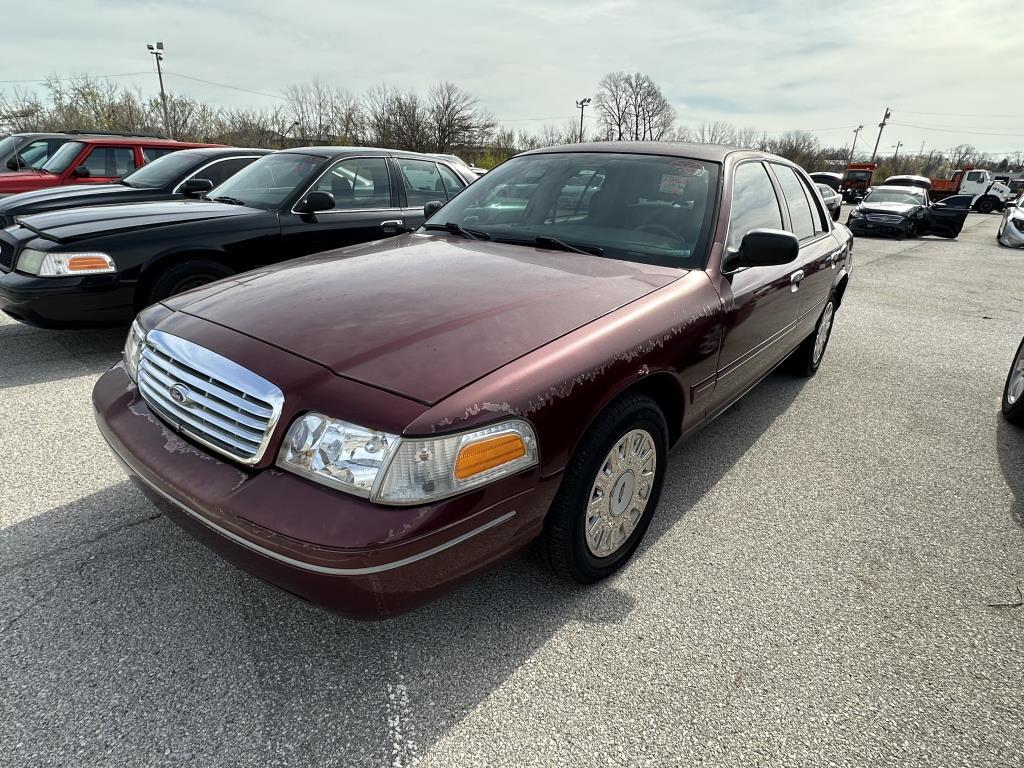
column 228, row 200
column 455, row 229
column 553, row 242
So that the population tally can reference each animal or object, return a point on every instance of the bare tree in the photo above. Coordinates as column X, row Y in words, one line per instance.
column 716, row 132
column 614, row 106
column 799, row 146
column 455, row 118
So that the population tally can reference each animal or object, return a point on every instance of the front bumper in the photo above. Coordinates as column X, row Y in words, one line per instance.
column 1011, row 236
column 358, row 558
column 66, row 302
column 863, row 226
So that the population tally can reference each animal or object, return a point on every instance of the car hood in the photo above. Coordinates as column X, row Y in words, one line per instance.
column 74, row 224
column 422, row 316
column 901, row 209
column 70, row 193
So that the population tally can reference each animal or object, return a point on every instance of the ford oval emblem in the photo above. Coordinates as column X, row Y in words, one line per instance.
column 179, row 394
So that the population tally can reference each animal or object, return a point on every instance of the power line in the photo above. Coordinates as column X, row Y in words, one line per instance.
column 959, row 130
column 79, row 77
column 959, row 114
column 229, row 87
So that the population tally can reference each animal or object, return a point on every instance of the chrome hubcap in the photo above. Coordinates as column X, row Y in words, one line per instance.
column 824, row 328
column 620, row 492
column 1015, row 387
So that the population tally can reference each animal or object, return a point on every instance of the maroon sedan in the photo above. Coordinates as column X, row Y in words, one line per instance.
column 367, row 427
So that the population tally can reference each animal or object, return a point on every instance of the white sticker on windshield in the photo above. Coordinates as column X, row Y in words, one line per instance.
column 672, row 184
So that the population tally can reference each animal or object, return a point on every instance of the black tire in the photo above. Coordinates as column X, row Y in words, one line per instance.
column 986, row 204
column 803, row 362
column 562, row 546
column 1014, row 411
column 184, row 276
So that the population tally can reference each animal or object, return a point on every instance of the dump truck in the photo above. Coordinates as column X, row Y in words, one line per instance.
column 856, row 181
column 988, row 193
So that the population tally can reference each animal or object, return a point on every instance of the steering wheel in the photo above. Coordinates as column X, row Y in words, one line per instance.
column 659, row 229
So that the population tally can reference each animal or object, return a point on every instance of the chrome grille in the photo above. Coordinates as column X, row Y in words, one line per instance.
column 885, row 218
column 215, row 401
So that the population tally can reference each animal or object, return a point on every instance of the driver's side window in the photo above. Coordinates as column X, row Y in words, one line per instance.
column 754, row 204
column 359, row 182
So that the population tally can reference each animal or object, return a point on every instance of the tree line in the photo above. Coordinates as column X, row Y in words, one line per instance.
column 443, row 119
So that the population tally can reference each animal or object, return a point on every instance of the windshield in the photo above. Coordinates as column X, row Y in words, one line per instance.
column 883, row 195
column 7, row 146
column 643, row 208
column 164, row 171
column 63, row 157
column 269, row 181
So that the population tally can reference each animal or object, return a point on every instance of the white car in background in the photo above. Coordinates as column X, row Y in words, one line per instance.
column 1011, row 228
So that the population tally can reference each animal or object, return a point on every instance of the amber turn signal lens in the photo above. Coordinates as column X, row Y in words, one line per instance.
column 87, row 263
column 487, row 454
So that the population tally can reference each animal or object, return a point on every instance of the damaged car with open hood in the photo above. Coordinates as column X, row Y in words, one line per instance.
column 907, row 211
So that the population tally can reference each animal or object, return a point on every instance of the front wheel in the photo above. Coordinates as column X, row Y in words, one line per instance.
column 608, row 494
column 986, row 204
column 1013, row 391
column 184, row 276
column 806, row 358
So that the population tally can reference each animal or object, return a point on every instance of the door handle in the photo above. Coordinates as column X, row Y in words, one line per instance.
column 391, row 224
column 794, row 280
column 835, row 257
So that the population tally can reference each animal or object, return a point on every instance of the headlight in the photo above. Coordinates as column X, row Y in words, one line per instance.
column 1018, row 223
column 856, row 214
column 133, row 349
column 918, row 214
column 52, row 264
column 394, row 470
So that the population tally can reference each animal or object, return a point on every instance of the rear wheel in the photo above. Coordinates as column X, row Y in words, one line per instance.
column 1013, row 391
column 184, row 276
column 806, row 358
column 608, row 494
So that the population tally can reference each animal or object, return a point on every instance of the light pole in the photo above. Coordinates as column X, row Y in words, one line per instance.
column 853, row 147
column 581, row 105
column 881, row 126
column 158, row 54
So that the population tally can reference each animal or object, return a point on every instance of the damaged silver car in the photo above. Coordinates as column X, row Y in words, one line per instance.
column 1011, row 228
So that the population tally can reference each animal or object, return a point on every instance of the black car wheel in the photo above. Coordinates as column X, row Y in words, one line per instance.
column 986, row 204
column 1013, row 390
column 609, row 492
column 184, row 276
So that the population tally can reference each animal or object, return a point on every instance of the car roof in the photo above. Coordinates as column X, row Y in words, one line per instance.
column 332, row 151
column 900, row 188
column 220, row 151
column 908, row 176
column 714, row 153
column 141, row 141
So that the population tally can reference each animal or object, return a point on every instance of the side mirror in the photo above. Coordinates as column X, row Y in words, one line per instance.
column 762, row 248
column 432, row 207
column 315, row 201
column 195, row 187
column 14, row 163
column 81, row 172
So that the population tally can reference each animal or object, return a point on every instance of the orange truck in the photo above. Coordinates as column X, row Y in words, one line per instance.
column 988, row 193
column 856, row 181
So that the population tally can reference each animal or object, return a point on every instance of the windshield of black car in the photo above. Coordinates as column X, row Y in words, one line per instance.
column 883, row 195
column 269, row 181
column 163, row 171
column 63, row 157
column 648, row 208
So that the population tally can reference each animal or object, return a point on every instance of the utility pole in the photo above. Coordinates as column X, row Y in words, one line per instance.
column 853, row 147
column 881, row 126
column 581, row 105
column 158, row 54
column 898, row 144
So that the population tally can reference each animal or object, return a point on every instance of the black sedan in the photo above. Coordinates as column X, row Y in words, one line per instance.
column 99, row 265
column 181, row 174
column 900, row 212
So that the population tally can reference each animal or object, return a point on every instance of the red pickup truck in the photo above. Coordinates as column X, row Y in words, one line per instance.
column 91, row 160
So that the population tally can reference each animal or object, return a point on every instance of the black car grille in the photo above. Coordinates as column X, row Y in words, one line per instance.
column 6, row 256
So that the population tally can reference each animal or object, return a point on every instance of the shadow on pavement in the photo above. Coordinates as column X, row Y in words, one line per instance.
column 33, row 355
column 129, row 643
column 1010, row 446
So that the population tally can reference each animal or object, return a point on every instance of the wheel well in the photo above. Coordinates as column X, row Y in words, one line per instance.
column 841, row 289
column 664, row 389
column 154, row 268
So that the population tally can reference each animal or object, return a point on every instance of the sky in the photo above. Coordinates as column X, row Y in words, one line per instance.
column 948, row 72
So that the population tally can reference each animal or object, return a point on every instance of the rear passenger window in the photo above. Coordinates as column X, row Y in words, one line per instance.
column 799, row 208
column 422, row 182
column 452, row 183
column 754, row 204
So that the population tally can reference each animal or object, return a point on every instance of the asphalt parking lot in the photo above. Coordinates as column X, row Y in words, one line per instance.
column 829, row 581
